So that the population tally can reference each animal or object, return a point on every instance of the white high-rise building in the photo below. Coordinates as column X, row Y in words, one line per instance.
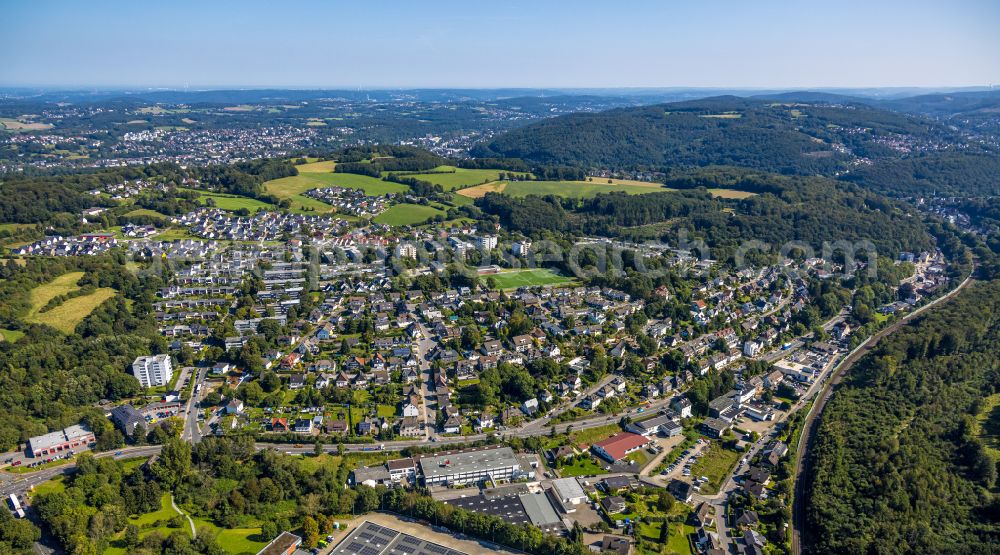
column 406, row 250
column 153, row 371
column 522, row 248
column 487, row 242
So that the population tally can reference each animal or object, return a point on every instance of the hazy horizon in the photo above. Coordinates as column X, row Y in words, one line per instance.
column 728, row 44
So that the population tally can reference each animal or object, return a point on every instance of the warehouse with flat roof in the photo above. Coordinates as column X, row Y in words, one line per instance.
column 470, row 466
column 372, row 539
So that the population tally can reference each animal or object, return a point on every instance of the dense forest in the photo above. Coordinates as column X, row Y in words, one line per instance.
column 885, row 151
column 898, row 465
column 808, row 209
column 938, row 174
column 783, row 138
column 48, row 379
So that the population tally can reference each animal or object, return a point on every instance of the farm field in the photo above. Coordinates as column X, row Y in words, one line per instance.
column 479, row 191
column 406, row 214
column 292, row 187
column 577, row 189
column 316, row 167
column 528, row 278
column 731, row 193
column 231, row 202
column 457, row 177
column 12, row 124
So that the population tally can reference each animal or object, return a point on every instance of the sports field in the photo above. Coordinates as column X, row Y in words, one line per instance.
column 528, row 278
column 456, row 177
column 406, row 214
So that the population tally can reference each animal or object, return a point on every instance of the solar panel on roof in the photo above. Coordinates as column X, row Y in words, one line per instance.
column 368, row 550
column 405, row 549
column 366, row 536
column 355, row 547
column 410, row 540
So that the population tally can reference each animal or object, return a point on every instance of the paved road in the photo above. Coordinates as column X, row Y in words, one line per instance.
column 192, row 432
column 811, row 424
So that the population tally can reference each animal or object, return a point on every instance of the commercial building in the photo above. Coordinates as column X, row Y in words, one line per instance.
column 127, row 419
column 616, row 447
column 470, row 466
column 568, row 491
column 372, row 539
column 73, row 437
column 153, row 371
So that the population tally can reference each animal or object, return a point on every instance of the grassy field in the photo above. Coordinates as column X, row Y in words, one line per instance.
column 15, row 227
column 715, row 466
column 591, row 435
column 315, row 177
column 406, row 214
column 456, row 178
column 730, row 193
column 148, row 523
column 17, row 125
column 233, row 540
column 11, row 335
column 175, row 233
column 147, row 212
column 55, row 485
column 578, row 189
column 528, row 278
column 988, row 425
column 66, row 316
column 580, row 467
column 231, row 202
column 316, row 167
column 479, row 191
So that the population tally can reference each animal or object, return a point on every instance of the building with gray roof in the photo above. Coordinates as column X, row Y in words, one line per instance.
column 470, row 466
column 372, row 539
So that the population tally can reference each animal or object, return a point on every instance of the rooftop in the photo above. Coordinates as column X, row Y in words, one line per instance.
column 373, row 539
column 461, row 462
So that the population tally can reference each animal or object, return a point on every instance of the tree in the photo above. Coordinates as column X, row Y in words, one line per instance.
column 174, row 462
column 131, row 536
column 310, row 531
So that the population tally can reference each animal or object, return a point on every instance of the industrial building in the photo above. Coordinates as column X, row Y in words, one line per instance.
column 373, row 539
column 470, row 466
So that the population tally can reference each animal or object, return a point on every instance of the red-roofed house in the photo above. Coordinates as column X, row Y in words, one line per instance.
column 617, row 446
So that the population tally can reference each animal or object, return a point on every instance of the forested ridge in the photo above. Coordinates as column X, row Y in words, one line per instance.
column 897, row 465
column 808, row 209
column 885, row 151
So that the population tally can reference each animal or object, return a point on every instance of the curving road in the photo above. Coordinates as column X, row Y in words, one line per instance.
column 811, row 424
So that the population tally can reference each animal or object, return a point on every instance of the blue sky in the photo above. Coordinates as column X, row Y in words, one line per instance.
column 429, row 43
